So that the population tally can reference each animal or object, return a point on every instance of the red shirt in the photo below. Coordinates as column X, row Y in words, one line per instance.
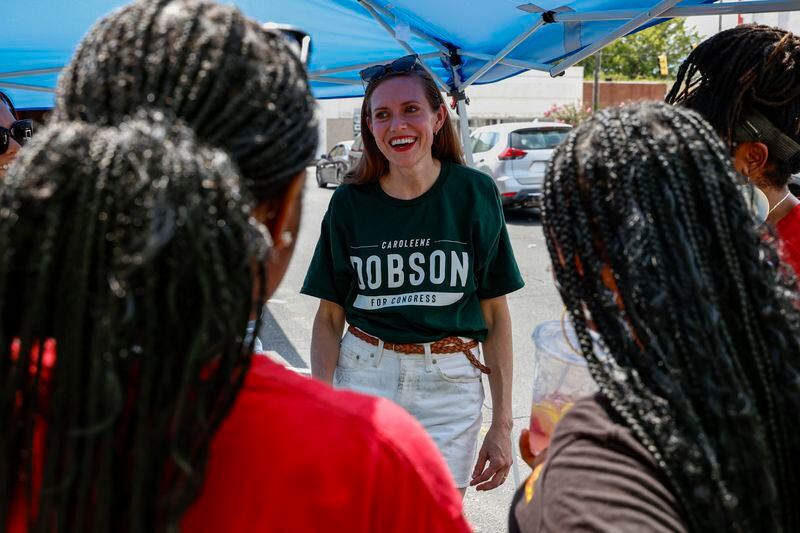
column 788, row 229
column 295, row 455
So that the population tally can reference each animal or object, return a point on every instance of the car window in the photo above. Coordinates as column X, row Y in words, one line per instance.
column 482, row 142
column 475, row 141
column 537, row 139
column 337, row 151
column 490, row 138
column 357, row 144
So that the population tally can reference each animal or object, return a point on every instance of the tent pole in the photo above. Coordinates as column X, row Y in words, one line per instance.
column 359, row 66
column 463, row 126
column 527, row 65
column 638, row 21
column 404, row 44
column 32, row 72
column 461, row 107
column 753, row 6
column 433, row 42
column 25, row 87
column 332, row 79
column 519, row 39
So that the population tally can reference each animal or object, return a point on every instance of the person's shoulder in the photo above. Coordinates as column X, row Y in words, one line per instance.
column 790, row 223
column 592, row 419
column 471, row 183
column 348, row 195
column 342, row 194
column 590, row 449
column 589, row 416
column 381, row 436
column 367, row 418
column 471, row 175
column 273, row 383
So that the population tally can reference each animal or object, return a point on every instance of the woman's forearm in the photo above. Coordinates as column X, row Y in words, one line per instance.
column 498, row 355
column 325, row 337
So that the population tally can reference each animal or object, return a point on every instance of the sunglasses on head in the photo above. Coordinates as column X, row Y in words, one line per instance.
column 401, row 65
column 21, row 131
column 299, row 41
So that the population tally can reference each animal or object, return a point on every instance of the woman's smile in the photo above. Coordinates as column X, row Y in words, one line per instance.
column 403, row 143
column 402, row 121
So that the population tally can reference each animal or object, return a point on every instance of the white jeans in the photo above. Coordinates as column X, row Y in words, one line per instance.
column 443, row 391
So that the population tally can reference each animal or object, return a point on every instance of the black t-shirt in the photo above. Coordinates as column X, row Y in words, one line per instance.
column 598, row 478
column 413, row 271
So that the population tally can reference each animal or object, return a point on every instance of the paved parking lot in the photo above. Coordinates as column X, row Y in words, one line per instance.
column 290, row 315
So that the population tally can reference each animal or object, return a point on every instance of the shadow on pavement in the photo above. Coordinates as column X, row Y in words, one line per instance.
column 273, row 338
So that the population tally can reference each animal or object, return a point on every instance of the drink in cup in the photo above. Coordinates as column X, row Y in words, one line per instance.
column 560, row 377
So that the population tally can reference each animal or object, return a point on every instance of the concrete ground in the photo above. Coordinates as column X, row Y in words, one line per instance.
column 289, row 317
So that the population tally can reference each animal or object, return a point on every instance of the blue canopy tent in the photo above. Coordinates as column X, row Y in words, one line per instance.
column 460, row 42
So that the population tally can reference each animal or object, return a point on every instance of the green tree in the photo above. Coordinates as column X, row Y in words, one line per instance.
column 636, row 56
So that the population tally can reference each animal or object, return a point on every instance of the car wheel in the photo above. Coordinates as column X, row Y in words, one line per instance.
column 320, row 183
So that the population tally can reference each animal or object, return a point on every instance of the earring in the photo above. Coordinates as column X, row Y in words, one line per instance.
column 286, row 238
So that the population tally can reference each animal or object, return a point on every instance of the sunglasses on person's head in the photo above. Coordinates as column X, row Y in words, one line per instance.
column 299, row 41
column 400, row 65
column 21, row 131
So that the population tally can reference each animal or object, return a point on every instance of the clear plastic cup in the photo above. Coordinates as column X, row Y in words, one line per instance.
column 560, row 377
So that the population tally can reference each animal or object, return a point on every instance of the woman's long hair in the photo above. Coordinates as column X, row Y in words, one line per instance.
column 126, row 285
column 133, row 256
column 702, row 331
column 373, row 164
column 238, row 86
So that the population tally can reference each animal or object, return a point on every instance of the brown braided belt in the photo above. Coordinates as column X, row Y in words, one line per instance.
column 442, row 346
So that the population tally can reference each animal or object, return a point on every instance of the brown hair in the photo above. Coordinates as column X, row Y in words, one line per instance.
column 373, row 164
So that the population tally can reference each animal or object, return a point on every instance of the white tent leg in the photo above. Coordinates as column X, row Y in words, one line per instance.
column 463, row 126
column 463, row 119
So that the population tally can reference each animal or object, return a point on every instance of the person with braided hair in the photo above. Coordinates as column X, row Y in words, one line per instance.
column 690, row 329
column 136, row 248
column 232, row 81
column 746, row 82
column 414, row 254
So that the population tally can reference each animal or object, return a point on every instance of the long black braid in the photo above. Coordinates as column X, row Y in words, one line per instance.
column 238, row 86
column 131, row 248
column 700, row 323
column 747, row 67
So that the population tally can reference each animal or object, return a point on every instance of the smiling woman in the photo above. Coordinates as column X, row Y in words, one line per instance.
column 420, row 105
column 415, row 256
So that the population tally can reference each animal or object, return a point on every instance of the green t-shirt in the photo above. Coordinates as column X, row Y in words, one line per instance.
column 411, row 271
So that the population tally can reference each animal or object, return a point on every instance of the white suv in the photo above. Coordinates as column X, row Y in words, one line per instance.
column 515, row 156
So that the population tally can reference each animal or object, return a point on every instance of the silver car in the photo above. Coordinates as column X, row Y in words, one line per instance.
column 515, row 155
column 332, row 167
